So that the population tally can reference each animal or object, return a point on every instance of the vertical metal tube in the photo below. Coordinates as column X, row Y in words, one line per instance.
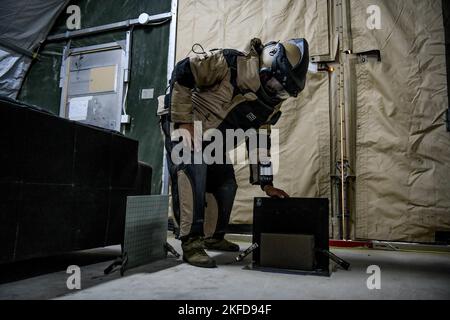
column 340, row 16
column 343, row 178
column 349, row 114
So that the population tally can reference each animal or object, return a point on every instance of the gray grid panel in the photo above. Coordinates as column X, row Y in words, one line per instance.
column 145, row 229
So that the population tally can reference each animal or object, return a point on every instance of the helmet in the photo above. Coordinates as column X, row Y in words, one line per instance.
column 284, row 66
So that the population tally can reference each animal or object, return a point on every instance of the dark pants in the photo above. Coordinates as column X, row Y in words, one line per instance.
column 202, row 195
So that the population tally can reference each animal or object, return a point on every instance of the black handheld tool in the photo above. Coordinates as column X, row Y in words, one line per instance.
column 241, row 256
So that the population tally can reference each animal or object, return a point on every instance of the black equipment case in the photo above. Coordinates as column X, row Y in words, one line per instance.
column 63, row 184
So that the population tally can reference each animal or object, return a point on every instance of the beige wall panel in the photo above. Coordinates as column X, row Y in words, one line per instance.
column 304, row 163
column 233, row 23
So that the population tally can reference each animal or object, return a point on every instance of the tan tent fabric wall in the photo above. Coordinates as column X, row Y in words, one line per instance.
column 232, row 23
column 304, row 126
column 403, row 149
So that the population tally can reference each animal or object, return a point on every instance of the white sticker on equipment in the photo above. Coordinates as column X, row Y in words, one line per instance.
column 78, row 108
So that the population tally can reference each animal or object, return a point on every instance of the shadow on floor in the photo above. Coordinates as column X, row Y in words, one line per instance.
column 398, row 261
column 27, row 269
column 21, row 270
column 153, row 267
column 45, row 278
column 96, row 276
column 430, row 264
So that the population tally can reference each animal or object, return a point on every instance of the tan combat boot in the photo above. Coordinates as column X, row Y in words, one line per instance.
column 194, row 253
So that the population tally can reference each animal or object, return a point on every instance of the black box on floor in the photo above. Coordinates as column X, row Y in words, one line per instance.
column 291, row 233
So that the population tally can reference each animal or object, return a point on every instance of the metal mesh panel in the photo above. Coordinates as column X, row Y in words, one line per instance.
column 145, row 230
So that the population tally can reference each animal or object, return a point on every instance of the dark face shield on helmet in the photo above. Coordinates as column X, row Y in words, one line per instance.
column 286, row 63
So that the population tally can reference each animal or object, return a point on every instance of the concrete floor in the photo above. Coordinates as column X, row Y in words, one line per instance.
column 404, row 275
